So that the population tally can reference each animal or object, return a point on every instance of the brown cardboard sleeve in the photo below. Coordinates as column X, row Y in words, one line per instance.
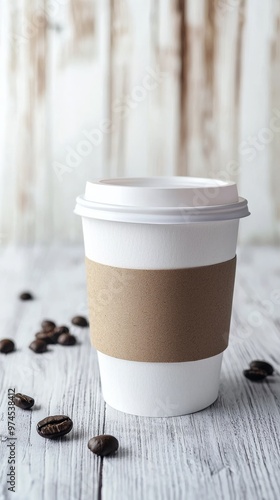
column 169, row 315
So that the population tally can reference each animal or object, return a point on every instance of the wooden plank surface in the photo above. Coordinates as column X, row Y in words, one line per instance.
column 228, row 451
column 186, row 87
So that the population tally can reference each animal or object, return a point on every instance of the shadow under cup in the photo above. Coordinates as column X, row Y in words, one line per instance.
column 160, row 258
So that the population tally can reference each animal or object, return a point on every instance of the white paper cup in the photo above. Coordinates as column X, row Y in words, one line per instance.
column 160, row 223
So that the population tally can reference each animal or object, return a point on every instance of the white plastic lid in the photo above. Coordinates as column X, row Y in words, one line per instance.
column 161, row 200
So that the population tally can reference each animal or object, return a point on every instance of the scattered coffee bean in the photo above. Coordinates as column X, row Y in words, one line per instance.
column 6, row 346
column 80, row 321
column 26, row 296
column 54, row 427
column 23, row 401
column 103, row 445
column 262, row 365
column 48, row 325
column 38, row 346
column 48, row 337
column 255, row 375
column 61, row 329
column 66, row 339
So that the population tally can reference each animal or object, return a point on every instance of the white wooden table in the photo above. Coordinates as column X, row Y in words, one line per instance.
column 228, row 451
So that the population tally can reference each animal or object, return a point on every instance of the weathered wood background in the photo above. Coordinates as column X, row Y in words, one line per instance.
column 93, row 88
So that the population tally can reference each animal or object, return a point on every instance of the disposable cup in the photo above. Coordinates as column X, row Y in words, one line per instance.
column 164, row 237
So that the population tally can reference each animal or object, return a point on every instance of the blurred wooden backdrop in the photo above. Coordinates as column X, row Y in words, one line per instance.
column 92, row 88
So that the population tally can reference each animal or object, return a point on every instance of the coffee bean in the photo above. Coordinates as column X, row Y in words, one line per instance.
column 26, row 296
column 38, row 346
column 6, row 346
column 61, row 329
column 48, row 337
column 255, row 375
column 54, row 427
column 103, row 445
column 43, row 336
column 80, row 321
column 66, row 339
column 48, row 325
column 23, row 401
column 262, row 365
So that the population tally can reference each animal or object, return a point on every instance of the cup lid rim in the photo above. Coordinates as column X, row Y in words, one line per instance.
column 170, row 215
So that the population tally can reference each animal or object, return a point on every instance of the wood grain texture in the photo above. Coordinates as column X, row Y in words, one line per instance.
column 92, row 88
column 230, row 450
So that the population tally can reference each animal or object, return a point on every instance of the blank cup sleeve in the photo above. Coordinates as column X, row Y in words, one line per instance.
column 168, row 315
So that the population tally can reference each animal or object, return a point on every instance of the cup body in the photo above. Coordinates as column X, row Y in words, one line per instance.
column 159, row 389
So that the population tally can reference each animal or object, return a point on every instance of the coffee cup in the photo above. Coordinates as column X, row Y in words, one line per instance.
column 160, row 259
